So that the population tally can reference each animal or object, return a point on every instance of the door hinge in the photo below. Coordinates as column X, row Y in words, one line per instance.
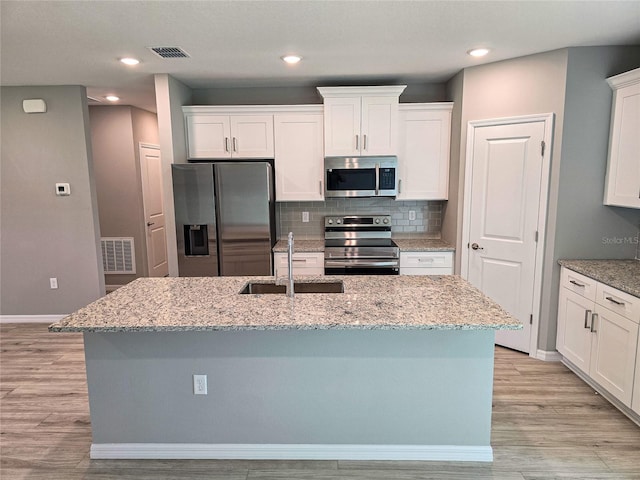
column 536, row 239
column 542, row 147
column 531, row 319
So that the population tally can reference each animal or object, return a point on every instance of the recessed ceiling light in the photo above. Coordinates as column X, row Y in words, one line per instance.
column 130, row 61
column 478, row 52
column 291, row 59
column 112, row 98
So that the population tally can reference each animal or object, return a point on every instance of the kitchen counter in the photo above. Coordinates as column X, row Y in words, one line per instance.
column 368, row 302
column 394, row 368
column 414, row 244
column 623, row 275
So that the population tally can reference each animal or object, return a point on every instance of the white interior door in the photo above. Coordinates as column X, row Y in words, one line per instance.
column 506, row 178
column 151, row 168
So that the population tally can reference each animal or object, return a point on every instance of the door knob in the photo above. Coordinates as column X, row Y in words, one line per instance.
column 152, row 223
column 475, row 246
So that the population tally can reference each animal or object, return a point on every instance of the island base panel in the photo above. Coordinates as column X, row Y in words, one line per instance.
column 339, row 393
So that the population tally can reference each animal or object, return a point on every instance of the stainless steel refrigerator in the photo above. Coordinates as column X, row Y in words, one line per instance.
column 224, row 218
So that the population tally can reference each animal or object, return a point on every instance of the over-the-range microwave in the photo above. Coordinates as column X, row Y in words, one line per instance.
column 360, row 176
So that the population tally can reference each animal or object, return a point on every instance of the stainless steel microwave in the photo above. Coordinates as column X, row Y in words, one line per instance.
column 360, row 176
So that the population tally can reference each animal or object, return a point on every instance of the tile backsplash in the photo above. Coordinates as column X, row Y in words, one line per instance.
column 427, row 222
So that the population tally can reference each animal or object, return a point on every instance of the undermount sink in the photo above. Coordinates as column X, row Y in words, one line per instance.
column 298, row 287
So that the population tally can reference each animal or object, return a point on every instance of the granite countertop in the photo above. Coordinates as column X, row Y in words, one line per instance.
column 306, row 246
column 213, row 303
column 621, row 274
column 415, row 244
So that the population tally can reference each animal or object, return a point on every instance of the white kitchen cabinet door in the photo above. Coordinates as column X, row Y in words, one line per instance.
column 635, row 399
column 613, row 353
column 342, row 126
column 622, row 184
column 252, row 136
column 208, row 136
column 379, row 126
column 299, row 159
column 423, row 151
column 574, row 328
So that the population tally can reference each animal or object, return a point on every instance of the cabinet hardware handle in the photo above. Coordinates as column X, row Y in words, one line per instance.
column 320, row 185
column 576, row 283
column 235, row 144
column 593, row 323
column 430, row 260
column 299, row 259
column 400, row 186
column 364, row 142
column 357, row 142
column 611, row 299
column 226, row 144
column 586, row 319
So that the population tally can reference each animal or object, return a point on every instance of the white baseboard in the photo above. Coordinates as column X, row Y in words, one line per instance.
column 31, row 318
column 446, row 453
column 548, row 356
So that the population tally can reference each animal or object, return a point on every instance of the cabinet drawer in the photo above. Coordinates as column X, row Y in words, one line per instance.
column 620, row 302
column 426, row 259
column 426, row 263
column 303, row 263
column 578, row 283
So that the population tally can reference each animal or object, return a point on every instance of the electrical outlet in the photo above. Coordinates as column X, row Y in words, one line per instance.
column 53, row 283
column 199, row 384
column 412, row 214
column 305, row 217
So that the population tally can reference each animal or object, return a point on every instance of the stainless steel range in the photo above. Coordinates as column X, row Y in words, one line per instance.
column 360, row 245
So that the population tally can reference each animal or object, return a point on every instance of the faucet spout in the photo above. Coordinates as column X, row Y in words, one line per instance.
column 290, row 292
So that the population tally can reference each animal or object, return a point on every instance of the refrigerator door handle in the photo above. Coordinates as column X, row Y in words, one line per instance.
column 269, row 189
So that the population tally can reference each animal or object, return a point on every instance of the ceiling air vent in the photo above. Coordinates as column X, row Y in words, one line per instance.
column 169, row 52
column 91, row 99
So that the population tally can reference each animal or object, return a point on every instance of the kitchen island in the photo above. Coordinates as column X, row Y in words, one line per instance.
column 392, row 368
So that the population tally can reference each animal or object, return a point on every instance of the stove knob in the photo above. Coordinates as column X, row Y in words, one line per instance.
column 377, row 220
column 338, row 222
column 330, row 222
column 386, row 220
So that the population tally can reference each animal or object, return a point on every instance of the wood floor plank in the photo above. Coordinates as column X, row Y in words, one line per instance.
column 546, row 424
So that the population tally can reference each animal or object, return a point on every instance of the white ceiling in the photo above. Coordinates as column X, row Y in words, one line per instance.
column 238, row 43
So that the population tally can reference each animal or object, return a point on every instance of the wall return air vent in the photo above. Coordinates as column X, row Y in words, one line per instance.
column 118, row 255
column 169, row 52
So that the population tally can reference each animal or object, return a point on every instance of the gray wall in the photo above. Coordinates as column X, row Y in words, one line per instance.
column 424, row 387
column 44, row 235
column 171, row 95
column 584, row 227
column 302, row 95
column 116, row 132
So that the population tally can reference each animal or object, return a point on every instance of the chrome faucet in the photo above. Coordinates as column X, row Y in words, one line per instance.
column 290, row 262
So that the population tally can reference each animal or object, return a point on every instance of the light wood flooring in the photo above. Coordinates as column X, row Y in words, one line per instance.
column 547, row 424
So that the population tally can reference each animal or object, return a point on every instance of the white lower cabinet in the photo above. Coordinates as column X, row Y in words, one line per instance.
column 426, row 263
column 635, row 399
column 599, row 341
column 304, row 263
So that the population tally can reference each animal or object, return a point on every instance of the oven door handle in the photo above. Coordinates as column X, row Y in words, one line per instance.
column 377, row 178
column 361, row 263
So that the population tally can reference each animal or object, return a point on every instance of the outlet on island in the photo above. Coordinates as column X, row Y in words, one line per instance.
column 305, row 217
column 412, row 214
column 199, row 384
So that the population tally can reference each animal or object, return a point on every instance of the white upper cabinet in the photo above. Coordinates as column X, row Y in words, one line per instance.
column 361, row 121
column 423, row 151
column 299, row 160
column 622, row 184
column 228, row 132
